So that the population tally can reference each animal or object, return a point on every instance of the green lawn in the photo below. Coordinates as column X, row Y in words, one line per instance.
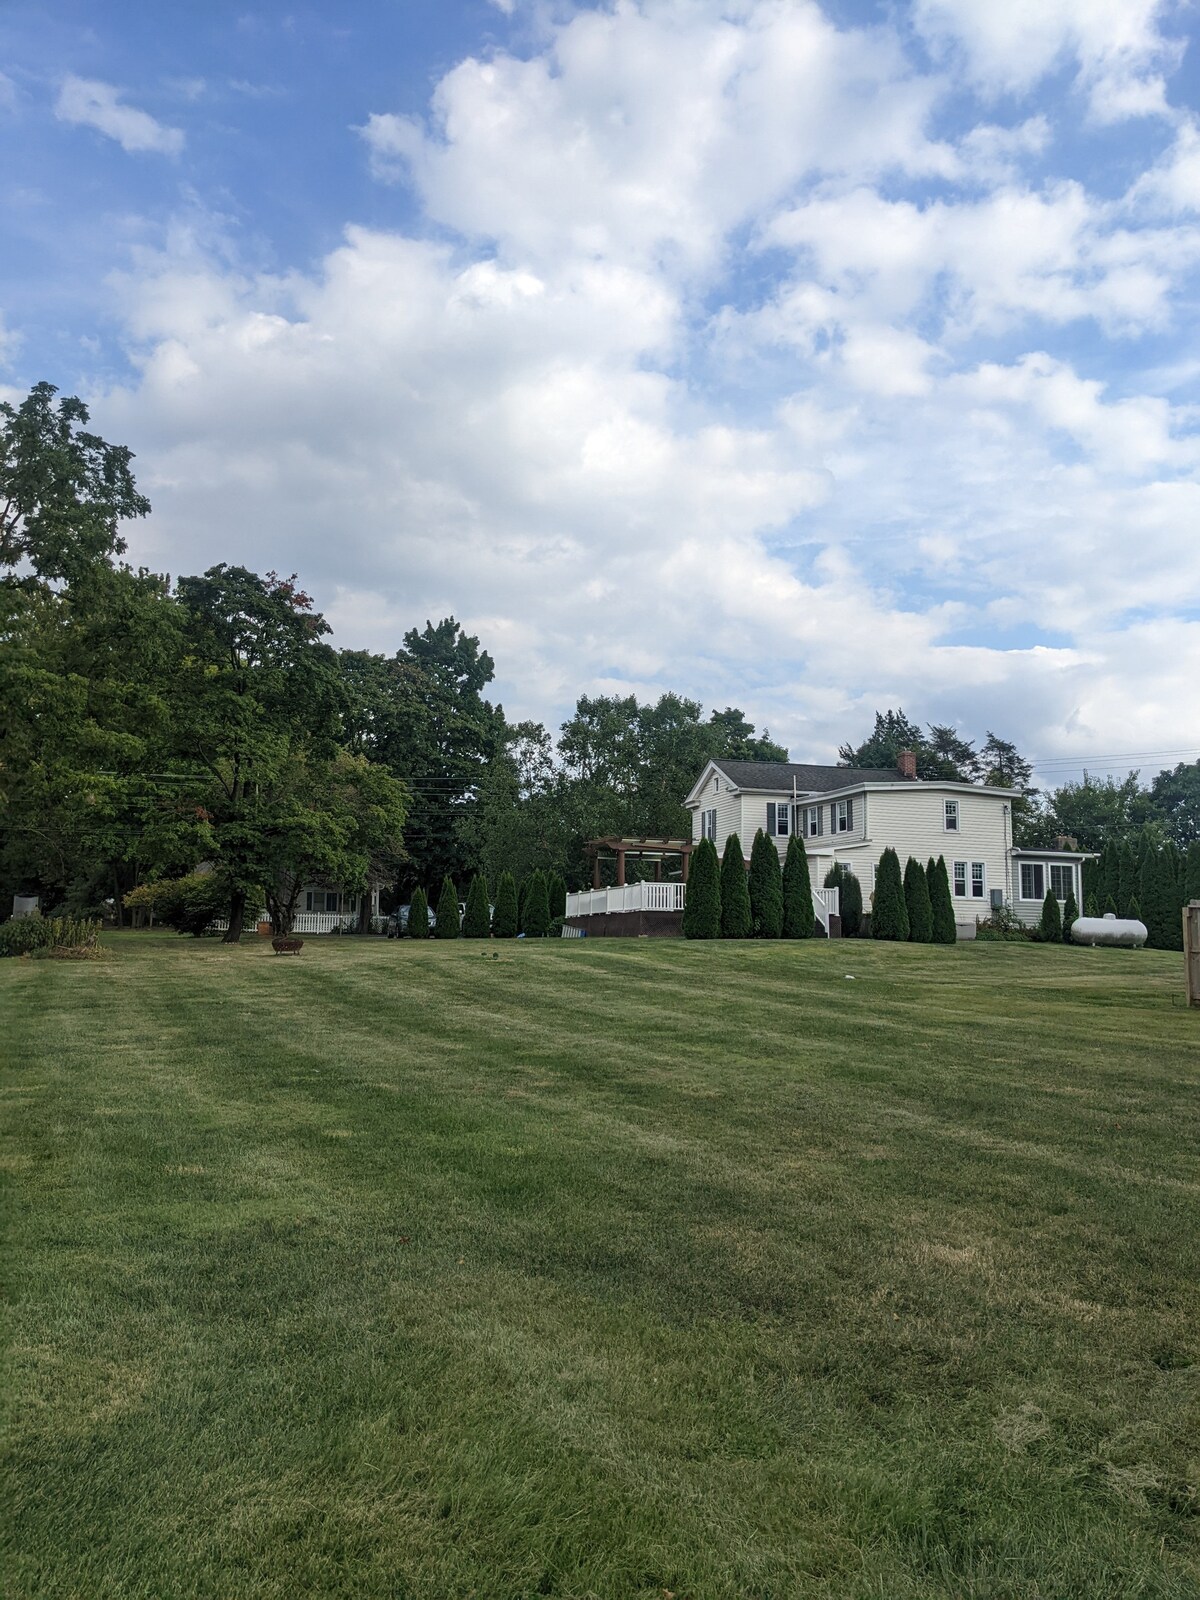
column 601, row 1268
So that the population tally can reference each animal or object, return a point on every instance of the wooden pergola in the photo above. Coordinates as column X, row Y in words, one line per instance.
column 656, row 850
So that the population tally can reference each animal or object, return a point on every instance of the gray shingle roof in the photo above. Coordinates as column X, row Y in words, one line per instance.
column 779, row 775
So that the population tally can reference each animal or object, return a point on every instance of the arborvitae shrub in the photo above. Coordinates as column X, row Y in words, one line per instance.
column 850, row 901
column 1127, row 878
column 1110, row 864
column 1135, row 911
column 1069, row 916
column 418, row 916
column 1191, row 874
column 1050, row 927
column 522, row 896
column 1161, row 903
column 945, row 929
column 504, row 921
column 702, row 903
column 477, row 919
column 798, row 913
column 766, row 888
column 556, row 893
column 1110, row 907
column 735, row 892
column 889, row 913
column 448, row 925
column 1091, row 909
column 536, row 923
column 851, row 904
column 918, row 903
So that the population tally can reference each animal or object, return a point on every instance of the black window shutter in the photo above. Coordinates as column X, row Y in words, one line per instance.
column 850, row 815
column 770, row 816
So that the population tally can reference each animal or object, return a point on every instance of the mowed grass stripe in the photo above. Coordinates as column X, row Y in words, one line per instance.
column 601, row 1269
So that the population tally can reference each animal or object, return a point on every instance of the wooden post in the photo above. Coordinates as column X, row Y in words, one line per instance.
column 658, row 870
column 596, row 870
column 1191, row 950
column 620, row 869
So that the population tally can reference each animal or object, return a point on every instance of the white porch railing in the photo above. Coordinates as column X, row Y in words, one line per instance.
column 630, row 897
column 304, row 922
column 667, row 897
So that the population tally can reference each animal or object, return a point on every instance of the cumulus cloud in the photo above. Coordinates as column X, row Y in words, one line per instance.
column 89, row 103
column 722, row 367
column 1117, row 47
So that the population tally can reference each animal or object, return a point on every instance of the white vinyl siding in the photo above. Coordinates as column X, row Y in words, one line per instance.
column 716, row 799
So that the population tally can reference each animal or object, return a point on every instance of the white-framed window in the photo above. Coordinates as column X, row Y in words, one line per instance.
column 708, row 824
column 960, row 879
column 810, row 821
column 322, row 900
column 778, row 818
column 951, row 816
column 841, row 816
column 1062, row 879
column 978, row 880
column 1033, row 880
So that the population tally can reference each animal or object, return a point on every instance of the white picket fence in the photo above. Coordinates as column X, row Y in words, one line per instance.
column 667, row 897
column 305, row 922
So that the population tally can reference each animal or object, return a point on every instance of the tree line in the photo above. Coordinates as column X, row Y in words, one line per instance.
column 149, row 727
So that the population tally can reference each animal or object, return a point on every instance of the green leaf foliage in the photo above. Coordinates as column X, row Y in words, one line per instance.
column 447, row 925
column 536, row 923
column 799, row 916
column 418, row 915
column 1050, row 927
column 1070, row 915
column 1127, row 875
column 850, row 901
column 504, row 920
column 1091, row 909
column 477, row 919
column 945, row 930
column 1191, row 872
column 918, row 903
column 556, row 890
column 735, row 892
column 702, row 903
column 889, row 912
column 766, row 888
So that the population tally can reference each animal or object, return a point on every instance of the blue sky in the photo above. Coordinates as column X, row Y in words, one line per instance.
column 808, row 357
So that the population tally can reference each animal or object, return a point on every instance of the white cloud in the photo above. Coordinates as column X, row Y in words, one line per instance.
column 1117, row 47
column 89, row 103
column 595, row 419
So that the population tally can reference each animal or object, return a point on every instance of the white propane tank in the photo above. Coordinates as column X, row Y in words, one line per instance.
column 1109, row 929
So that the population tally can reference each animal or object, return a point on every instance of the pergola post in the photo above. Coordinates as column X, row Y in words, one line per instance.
column 596, row 870
column 658, row 869
column 686, row 858
column 620, row 869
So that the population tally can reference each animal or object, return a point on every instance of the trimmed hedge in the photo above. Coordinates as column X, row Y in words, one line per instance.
column 766, row 888
column 535, row 918
column 418, row 916
column 918, row 903
column 945, row 929
column 702, row 904
column 798, row 914
column 1050, row 927
column 477, row 919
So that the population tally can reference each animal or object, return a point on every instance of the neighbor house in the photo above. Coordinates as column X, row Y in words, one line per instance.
column 851, row 815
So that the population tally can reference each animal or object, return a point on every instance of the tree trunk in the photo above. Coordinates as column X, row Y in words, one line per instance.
column 237, row 915
column 364, row 910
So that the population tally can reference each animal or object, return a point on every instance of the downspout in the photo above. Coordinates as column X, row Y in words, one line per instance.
column 1007, row 860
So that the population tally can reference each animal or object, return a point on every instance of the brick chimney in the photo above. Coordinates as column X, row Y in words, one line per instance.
column 1065, row 841
column 907, row 763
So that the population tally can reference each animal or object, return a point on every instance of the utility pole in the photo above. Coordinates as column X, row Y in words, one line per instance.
column 1191, row 950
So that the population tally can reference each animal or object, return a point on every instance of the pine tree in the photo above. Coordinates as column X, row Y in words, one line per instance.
column 556, row 891
column 735, row 892
column 1050, row 927
column 798, row 913
column 1069, row 916
column 702, row 903
column 945, row 929
column 766, row 889
column 418, row 916
column 536, row 915
column 1161, row 903
column 477, row 920
column 889, row 913
column 918, row 902
column 1127, row 878
column 447, row 926
column 504, row 922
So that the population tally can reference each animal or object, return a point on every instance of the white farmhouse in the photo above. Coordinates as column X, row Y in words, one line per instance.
column 852, row 815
